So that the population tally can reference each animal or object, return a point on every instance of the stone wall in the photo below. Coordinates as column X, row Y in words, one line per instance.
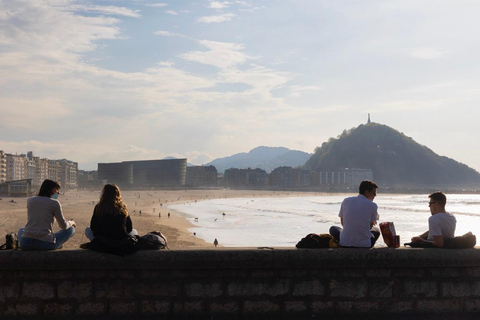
column 241, row 283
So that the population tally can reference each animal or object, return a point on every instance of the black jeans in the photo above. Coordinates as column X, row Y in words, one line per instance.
column 335, row 233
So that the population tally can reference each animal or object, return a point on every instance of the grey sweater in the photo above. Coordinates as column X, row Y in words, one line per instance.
column 42, row 212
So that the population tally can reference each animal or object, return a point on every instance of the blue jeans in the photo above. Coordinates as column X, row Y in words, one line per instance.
column 335, row 233
column 38, row 245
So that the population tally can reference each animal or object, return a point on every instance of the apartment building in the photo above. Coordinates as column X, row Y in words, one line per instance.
column 36, row 170
column 17, row 167
column 3, row 167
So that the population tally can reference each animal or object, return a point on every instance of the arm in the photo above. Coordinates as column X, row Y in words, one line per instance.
column 421, row 238
column 58, row 214
column 95, row 221
column 438, row 241
column 129, row 224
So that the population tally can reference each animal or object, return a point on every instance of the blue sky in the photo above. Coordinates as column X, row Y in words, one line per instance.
column 104, row 81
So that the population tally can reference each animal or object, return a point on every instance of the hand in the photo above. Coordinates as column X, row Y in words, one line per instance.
column 73, row 223
column 417, row 239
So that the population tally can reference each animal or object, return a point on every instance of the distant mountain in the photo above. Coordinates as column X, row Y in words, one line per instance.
column 266, row 158
column 395, row 159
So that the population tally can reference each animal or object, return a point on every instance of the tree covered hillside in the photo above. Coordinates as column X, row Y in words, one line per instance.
column 394, row 158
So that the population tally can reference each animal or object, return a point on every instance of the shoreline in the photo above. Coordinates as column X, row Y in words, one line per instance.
column 78, row 205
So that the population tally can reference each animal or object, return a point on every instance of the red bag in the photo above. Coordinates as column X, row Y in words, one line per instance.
column 388, row 234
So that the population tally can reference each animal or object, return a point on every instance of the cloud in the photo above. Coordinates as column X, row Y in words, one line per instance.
column 156, row 4
column 172, row 12
column 121, row 11
column 295, row 91
column 167, row 34
column 221, row 54
column 217, row 18
column 219, row 4
column 427, row 53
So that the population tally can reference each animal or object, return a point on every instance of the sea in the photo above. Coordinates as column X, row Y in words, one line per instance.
column 283, row 221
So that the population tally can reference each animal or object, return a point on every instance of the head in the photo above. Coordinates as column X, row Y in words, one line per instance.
column 48, row 188
column 111, row 200
column 437, row 202
column 110, row 193
column 368, row 189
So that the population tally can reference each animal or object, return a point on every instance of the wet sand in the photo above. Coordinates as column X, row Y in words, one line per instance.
column 78, row 205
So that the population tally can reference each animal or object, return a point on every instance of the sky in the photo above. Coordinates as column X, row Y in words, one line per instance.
column 110, row 81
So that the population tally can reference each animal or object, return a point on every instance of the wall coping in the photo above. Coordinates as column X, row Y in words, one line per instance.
column 240, row 258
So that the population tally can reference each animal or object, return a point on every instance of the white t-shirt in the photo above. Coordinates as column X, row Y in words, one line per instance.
column 441, row 224
column 357, row 213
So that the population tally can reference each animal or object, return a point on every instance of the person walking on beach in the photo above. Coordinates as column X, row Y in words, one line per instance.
column 43, row 209
column 441, row 224
column 358, row 216
column 215, row 243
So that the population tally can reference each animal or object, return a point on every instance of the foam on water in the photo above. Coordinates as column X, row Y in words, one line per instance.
column 282, row 222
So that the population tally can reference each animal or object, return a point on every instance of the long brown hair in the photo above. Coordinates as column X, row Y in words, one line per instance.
column 111, row 201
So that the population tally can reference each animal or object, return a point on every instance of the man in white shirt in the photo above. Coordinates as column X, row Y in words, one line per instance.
column 441, row 225
column 358, row 216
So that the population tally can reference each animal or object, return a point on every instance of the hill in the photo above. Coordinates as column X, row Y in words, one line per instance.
column 266, row 158
column 395, row 159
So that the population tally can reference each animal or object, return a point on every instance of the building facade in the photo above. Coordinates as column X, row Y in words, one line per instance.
column 288, row 177
column 17, row 167
column 256, row 178
column 3, row 167
column 201, row 176
column 144, row 173
column 36, row 170
column 347, row 177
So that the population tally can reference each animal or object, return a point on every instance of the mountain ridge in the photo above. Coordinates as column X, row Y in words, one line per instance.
column 263, row 157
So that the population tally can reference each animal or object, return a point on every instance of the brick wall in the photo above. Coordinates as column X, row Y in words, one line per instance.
column 240, row 283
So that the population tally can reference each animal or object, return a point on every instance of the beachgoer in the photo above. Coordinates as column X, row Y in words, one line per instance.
column 169, row 215
column 110, row 217
column 215, row 242
column 42, row 211
column 441, row 225
column 358, row 216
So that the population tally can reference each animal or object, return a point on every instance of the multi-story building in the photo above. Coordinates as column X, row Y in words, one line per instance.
column 348, row 177
column 3, row 167
column 17, row 166
column 68, row 174
column 288, row 177
column 201, row 176
column 36, row 170
column 256, row 178
column 145, row 173
column 54, row 170
column 88, row 179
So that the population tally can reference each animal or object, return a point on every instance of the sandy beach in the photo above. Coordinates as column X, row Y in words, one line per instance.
column 78, row 205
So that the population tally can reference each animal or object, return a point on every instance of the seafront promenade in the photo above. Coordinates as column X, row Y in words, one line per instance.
column 247, row 283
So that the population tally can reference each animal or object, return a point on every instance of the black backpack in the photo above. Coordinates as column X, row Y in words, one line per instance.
column 154, row 240
column 314, row 240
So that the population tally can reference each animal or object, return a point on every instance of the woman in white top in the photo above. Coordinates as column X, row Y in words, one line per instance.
column 43, row 209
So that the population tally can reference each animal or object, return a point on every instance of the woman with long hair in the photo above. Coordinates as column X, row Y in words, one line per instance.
column 42, row 211
column 110, row 217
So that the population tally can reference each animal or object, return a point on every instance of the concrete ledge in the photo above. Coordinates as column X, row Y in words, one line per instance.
column 239, row 258
column 242, row 283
